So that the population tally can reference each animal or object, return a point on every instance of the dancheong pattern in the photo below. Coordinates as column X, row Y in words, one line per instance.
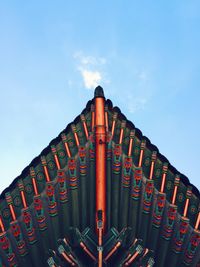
column 100, row 194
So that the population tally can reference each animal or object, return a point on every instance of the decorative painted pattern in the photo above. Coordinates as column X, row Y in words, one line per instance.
column 158, row 211
column 5, row 245
column 28, row 222
column 180, row 234
column 126, row 171
column 61, row 153
column 137, row 183
column 6, row 213
column 72, row 173
column 51, row 165
column 16, row 231
column 91, row 147
column 148, row 195
column 52, row 205
column 109, row 146
column 40, row 176
column 63, row 192
column 169, row 224
column 117, row 158
column 192, row 247
column 40, row 216
column 82, row 160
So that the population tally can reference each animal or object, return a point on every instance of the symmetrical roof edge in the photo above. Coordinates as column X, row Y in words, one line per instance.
column 153, row 147
column 129, row 124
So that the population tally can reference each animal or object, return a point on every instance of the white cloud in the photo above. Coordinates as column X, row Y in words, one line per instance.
column 91, row 69
column 91, row 78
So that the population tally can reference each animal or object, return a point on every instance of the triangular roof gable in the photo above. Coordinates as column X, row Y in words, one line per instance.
column 75, row 146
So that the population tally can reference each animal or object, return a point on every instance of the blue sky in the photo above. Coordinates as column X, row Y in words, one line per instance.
column 144, row 53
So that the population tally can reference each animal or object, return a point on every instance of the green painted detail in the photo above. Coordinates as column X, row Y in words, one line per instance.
column 180, row 234
column 17, row 201
column 28, row 222
column 40, row 176
column 146, row 163
column 180, row 197
column 6, row 213
column 17, row 234
column 63, row 192
column 61, row 153
column 136, row 150
column 51, row 165
column 158, row 211
column 169, row 185
column 117, row 158
column 28, row 189
column 192, row 247
column 39, row 211
column 148, row 196
column 5, row 246
column 52, row 205
column 169, row 221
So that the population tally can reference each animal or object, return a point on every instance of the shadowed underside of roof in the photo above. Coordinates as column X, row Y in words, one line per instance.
column 100, row 195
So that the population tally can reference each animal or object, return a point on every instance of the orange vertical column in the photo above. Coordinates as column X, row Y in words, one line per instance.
column 100, row 141
column 100, row 134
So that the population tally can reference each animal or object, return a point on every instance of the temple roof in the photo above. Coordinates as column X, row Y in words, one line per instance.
column 147, row 200
column 138, row 133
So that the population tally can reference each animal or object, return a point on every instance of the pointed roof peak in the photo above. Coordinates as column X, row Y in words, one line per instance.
column 98, row 92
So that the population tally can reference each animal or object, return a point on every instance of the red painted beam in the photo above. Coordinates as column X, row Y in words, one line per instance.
column 100, row 136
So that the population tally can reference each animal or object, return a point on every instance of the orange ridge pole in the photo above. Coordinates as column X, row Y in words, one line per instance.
column 32, row 174
column 64, row 139
column 84, row 126
column 100, row 134
column 176, row 184
column 100, row 141
column 100, row 251
column 54, row 152
column 100, row 237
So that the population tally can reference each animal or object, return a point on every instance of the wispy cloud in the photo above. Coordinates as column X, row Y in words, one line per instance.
column 91, row 78
column 91, row 69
